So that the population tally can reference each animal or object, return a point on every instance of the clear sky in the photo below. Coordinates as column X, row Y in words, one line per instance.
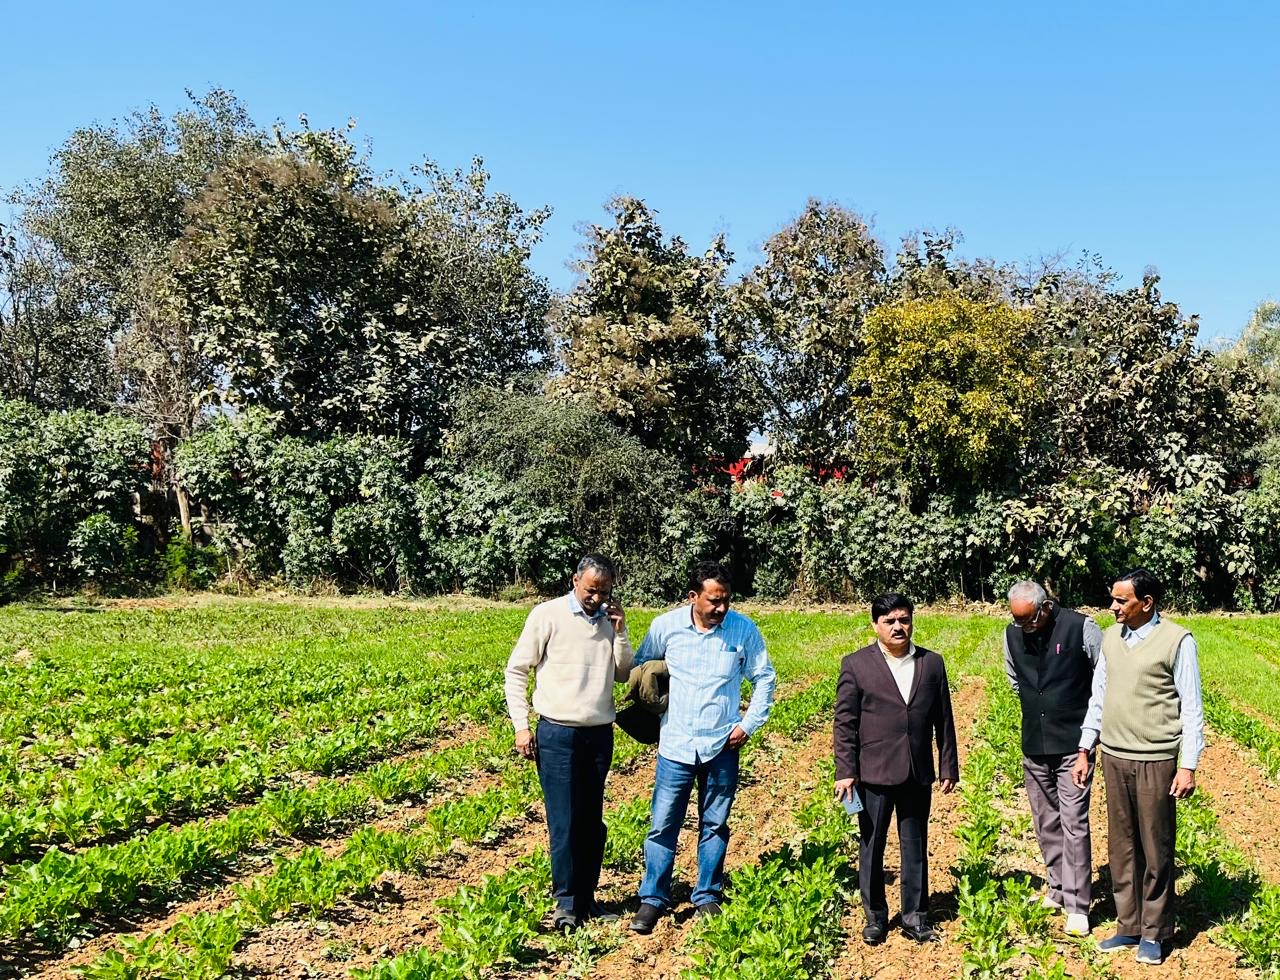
column 1148, row 133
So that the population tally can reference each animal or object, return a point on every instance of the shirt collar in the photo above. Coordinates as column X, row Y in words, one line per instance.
column 911, row 652
column 575, row 607
column 1143, row 631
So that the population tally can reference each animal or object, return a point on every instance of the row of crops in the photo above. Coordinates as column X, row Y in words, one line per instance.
column 150, row 754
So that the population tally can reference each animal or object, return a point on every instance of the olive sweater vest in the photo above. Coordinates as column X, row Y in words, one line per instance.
column 1141, row 710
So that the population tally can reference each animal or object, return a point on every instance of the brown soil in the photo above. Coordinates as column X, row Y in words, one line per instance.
column 243, row 870
column 1248, row 810
column 401, row 913
column 784, row 775
column 899, row 956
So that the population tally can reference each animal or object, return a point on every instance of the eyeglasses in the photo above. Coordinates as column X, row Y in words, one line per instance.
column 1025, row 621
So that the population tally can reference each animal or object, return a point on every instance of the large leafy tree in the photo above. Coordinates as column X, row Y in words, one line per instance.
column 1258, row 351
column 1130, row 388
column 803, row 310
column 643, row 338
column 102, row 223
column 50, row 355
column 339, row 301
column 953, row 385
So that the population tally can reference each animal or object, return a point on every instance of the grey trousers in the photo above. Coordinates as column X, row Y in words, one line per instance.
column 1060, row 815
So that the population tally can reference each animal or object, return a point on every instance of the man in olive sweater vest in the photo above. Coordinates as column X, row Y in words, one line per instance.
column 1147, row 712
column 1049, row 654
column 577, row 648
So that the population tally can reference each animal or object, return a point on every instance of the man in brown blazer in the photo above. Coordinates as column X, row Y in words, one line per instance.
column 892, row 704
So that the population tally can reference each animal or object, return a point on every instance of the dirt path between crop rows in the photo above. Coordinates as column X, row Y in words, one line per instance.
column 1248, row 810
column 401, row 913
column 899, row 956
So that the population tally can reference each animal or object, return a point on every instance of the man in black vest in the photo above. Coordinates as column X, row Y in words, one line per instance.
column 1049, row 654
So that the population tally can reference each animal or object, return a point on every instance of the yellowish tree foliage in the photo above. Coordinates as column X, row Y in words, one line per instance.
column 951, row 387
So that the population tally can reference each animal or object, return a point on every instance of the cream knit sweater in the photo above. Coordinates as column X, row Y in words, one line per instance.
column 575, row 661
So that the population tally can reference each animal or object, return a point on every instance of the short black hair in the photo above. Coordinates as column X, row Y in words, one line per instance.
column 1145, row 583
column 708, row 571
column 598, row 562
column 887, row 602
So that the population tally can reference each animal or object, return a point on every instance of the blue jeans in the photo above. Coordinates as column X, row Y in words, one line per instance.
column 572, row 766
column 717, row 782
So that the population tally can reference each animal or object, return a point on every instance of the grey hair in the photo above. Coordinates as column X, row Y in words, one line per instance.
column 599, row 563
column 1033, row 592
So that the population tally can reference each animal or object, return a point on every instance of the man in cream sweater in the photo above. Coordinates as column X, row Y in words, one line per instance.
column 577, row 648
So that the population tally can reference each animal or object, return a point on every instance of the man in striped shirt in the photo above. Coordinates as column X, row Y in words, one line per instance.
column 710, row 651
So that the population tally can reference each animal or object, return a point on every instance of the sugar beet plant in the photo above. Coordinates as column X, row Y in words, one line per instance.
column 783, row 915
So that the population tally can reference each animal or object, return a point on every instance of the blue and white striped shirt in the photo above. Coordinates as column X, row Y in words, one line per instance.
column 707, row 671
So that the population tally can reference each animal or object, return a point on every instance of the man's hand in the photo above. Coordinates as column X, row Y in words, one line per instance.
column 525, row 743
column 617, row 615
column 947, row 785
column 844, row 788
column 1080, row 771
column 738, row 737
column 1184, row 784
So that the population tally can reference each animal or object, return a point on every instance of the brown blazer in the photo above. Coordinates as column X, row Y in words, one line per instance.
column 881, row 740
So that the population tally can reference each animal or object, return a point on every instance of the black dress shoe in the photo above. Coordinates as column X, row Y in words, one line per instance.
column 874, row 933
column 564, row 921
column 645, row 919
column 921, row 934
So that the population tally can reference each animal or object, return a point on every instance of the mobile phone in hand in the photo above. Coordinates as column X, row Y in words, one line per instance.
column 852, row 803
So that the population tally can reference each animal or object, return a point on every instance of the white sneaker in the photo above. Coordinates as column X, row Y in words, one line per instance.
column 1077, row 924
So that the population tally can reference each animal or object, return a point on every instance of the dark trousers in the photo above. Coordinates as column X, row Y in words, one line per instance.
column 911, row 801
column 1140, row 838
column 573, row 764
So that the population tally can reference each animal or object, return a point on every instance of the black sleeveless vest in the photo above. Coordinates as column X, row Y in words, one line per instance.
column 1055, row 679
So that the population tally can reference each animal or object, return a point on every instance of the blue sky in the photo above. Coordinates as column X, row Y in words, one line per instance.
column 1148, row 133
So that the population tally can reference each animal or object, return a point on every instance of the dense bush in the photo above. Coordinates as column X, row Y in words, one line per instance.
column 67, row 485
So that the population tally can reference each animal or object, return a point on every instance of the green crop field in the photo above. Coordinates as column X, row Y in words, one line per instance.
column 181, row 781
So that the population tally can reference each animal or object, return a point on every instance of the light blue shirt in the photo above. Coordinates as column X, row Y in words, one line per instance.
column 1186, row 681
column 707, row 671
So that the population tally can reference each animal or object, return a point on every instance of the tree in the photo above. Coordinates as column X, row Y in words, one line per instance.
column 643, row 338
column 803, row 310
column 103, row 221
column 50, row 355
column 341, row 302
column 1130, row 388
column 1258, row 350
column 953, row 385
